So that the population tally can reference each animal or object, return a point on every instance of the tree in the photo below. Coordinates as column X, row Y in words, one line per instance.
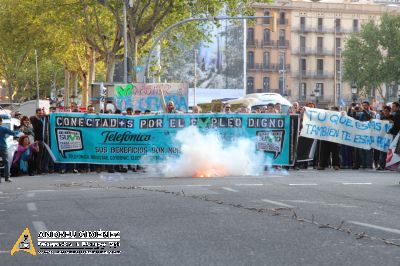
column 372, row 57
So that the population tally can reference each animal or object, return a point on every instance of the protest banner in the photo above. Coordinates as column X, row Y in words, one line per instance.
column 393, row 155
column 118, row 139
column 146, row 96
column 340, row 128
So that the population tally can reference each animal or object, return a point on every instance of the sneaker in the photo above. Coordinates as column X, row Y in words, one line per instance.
column 8, row 180
column 75, row 171
column 336, row 167
column 380, row 168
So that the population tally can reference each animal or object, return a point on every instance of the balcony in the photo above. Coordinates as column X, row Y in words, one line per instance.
column 303, row 74
column 320, row 51
column 322, row 29
column 267, row 43
column 302, row 50
column 282, row 43
column 251, row 43
column 303, row 29
column 282, row 21
column 254, row 67
column 281, row 67
column 268, row 67
column 320, row 74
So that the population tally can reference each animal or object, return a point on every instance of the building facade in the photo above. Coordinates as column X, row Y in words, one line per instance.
column 302, row 57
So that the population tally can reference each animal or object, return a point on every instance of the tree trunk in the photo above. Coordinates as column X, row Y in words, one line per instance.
column 66, row 88
column 110, row 65
column 90, row 77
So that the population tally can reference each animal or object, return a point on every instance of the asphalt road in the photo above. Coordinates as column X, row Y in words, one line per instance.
column 298, row 218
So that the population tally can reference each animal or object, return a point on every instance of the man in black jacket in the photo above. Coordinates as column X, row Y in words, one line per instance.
column 396, row 119
column 38, row 124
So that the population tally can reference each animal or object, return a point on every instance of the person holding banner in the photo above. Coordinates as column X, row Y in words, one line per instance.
column 386, row 115
column 328, row 150
column 365, row 155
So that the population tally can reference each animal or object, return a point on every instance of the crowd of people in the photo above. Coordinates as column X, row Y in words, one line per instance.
column 32, row 157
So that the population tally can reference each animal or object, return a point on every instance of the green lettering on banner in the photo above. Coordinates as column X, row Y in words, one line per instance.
column 203, row 122
column 124, row 91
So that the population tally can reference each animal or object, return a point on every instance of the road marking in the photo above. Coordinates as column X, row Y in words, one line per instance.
column 4, row 197
column 39, row 226
column 305, row 184
column 31, row 206
column 322, row 203
column 2, row 210
column 2, row 234
column 230, row 189
column 43, row 190
column 196, row 185
column 357, row 183
column 390, row 230
column 248, row 185
column 31, row 195
column 278, row 203
column 4, row 252
column 94, row 188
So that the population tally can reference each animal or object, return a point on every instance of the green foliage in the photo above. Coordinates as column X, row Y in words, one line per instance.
column 372, row 57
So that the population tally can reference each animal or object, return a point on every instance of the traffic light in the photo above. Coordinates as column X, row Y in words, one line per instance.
column 273, row 21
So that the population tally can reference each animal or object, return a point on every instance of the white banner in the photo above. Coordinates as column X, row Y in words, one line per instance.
column 393, row 159
column 339, row 128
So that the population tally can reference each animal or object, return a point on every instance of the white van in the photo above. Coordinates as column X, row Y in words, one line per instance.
column 255, row 100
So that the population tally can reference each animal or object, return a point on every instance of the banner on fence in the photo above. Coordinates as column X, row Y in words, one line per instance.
column 146, row 96
column 118, row 139
column 340, row 128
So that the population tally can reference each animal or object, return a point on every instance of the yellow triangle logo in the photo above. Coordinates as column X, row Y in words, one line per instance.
column 24, row 243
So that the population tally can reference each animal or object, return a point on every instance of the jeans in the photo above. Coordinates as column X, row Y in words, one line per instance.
column 4, row 157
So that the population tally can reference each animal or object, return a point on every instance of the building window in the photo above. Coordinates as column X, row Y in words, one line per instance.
column 355, row 25
column 303, row 66
column 338, row 44
column 267, row 37
column 250, row 36
column 281, row 81
column 266, row 60
column 302, row 23
column 338, row 67
column 266, row 20
column 282, row 19
column 302, row 44
column 250, row 84
column 320, row 44
column 320, row 67
column 266, row 84
column 319, row 89
column 320, row 24
column 250, row 59
column 281, row 60
column 337, row 25
column 282, row 34
column 302, row 90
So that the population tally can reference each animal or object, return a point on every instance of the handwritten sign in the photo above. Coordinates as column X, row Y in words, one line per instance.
column 336, row 127
column 146, row 96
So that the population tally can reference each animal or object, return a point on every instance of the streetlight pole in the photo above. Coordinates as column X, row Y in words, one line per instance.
column 195, row 77
column 125, row 44
column 147, row 70
column 282, row 71
column 37, row 80
column 340, row 76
